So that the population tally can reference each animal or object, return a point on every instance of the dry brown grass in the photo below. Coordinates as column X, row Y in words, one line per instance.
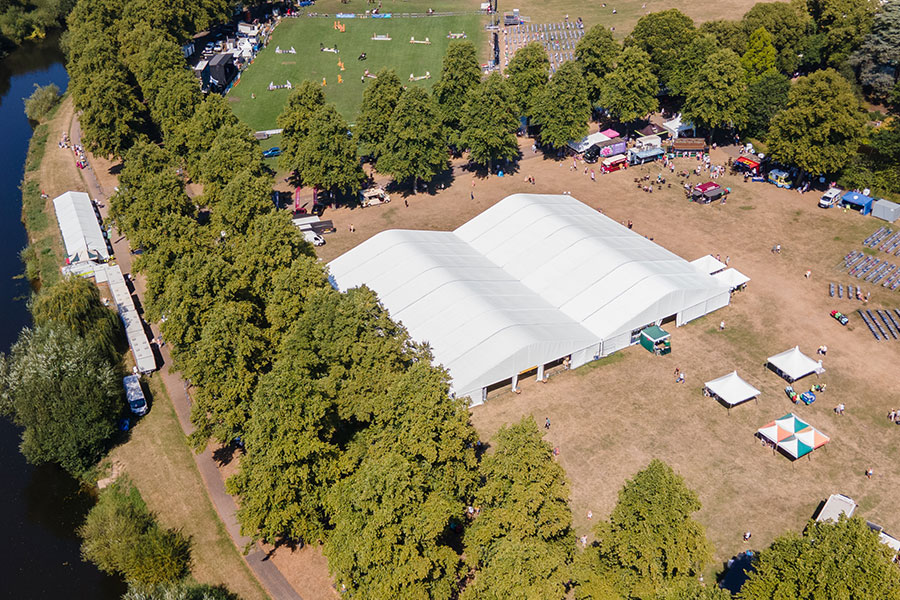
column 611, row 420
column 158, row 460
column 627, row 11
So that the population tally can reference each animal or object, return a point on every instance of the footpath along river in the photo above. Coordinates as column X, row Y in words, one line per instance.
column 40, row 507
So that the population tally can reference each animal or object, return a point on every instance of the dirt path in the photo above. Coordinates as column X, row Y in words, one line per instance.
column 257, row 559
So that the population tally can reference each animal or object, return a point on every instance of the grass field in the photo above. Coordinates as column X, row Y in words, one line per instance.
column 305, row 35
column 611, row 418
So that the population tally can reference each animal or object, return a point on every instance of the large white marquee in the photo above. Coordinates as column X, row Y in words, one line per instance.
column 530, row 281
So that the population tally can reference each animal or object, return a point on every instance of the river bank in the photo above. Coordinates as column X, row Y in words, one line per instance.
column 156, row 457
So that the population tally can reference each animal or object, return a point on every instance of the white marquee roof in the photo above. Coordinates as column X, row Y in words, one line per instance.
column 731, row 277
column 532, row 279
column 794, row 363
column 709, row 264
column 587, row 142
column 732, row 389
column 80, row 228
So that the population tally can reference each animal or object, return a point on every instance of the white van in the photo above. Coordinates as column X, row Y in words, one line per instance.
column 135, row 395
column 830, row 198
column 313, row 238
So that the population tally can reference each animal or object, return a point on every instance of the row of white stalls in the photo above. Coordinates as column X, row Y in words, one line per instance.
column 87, row 255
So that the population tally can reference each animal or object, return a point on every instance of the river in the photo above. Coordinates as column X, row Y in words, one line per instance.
column 40, row 507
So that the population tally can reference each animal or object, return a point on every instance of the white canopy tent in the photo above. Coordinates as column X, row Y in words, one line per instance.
column 731, row 389
column 709, row 264
column 793, row 364
column 675, row 127
column 80, row 228
column 582, row 146
column 530, row 281
column 732, row 278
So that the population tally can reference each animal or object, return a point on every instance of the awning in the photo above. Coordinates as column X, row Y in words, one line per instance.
column 610, row 133
column 654, row 333
column 747, row 162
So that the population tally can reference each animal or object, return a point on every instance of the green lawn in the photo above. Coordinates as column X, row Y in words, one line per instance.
column 305, row 35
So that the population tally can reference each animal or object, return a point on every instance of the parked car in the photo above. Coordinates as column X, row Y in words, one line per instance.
column 313, row 238
column 272, row 152
column 840, row 317
column 134, row 395
column 830, row 198
column 373, row 197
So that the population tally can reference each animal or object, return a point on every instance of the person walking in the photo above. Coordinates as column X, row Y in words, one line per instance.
column 547, row 423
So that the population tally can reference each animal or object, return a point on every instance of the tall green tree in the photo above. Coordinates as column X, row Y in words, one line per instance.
column 789, row 25
column 597, row 52
column 761, row 56
column 663, row 35
column 65, row 395
column 649, row 541
column 820, row 128
column 460, row 74
column 844, row 24
column 691, row 589
column 296, row 120
column 120, row 535
column 211, row 115
column 414, row 148
column 765, row 97
column 878, row 56
column 327, row 156
column 246, row 197
column 728, row 34
column 74, row 303
column 630, row 90
column 489, row 122
column 528, row 73
column 112, row 118
column 563, row 109
column 233, row 149
column 830, row 560
column 718, row 97
column 379, row 101
column 684, row 75
column 522, row 542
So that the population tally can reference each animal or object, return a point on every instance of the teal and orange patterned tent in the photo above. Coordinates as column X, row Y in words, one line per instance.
column 793, row 435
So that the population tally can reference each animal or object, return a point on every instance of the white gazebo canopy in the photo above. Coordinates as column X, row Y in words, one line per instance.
column 731, row 277
column 587, row 142
column 708, row 264
column 793, row 364
column 732, row 389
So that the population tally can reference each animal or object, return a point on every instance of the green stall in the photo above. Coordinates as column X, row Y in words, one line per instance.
column 656, row 340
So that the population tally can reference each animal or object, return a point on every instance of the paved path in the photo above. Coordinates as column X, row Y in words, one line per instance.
column 265, row 571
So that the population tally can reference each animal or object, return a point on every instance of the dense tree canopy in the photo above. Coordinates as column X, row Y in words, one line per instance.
column 563, row 109
column 689, row 62
column 414, row 147
column 820, row 128
column 75, row 303
column 649, row 541
column 489, row 122
column 844, row 24
column 597, row 52
column 120, row 535
column 295, row 120
column 878, row 58
column 327, row 156
column 522, row 542
column 765, row 97
column 788, row 23
column 829, row 561
column 663, row 35
column 718, row 97
column 379, row 101
column 630, row 90
column 528, row 72
column 460, row 74
column 63, row 393
column 761, row 56
column 728, row 34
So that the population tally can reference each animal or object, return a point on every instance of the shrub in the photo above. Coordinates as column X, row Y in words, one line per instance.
column 41, row 101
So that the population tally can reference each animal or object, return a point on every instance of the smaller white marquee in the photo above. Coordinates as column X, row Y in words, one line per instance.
column 731, row 389
column 731, row 277
column 793, row 364
column 708, row 264
column 80, row 228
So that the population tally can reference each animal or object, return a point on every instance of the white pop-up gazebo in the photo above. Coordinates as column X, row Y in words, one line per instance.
column 732, row 278
column 731, row 389
column 709, row 264
column 793, row 364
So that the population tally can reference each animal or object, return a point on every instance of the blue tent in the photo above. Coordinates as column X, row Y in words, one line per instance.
column 857, row 201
